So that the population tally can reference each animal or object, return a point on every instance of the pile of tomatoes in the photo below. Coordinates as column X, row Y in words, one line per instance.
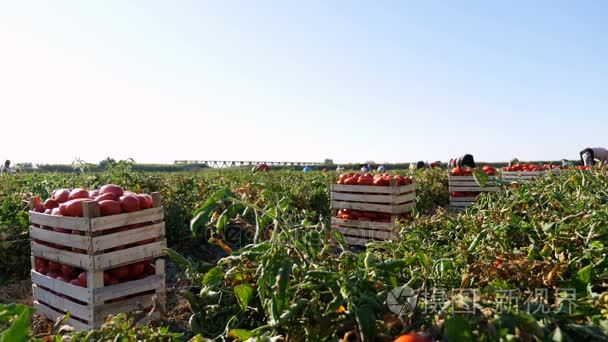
column 359, row 215
column 584, row 168
column 77, row 276
column 379, row 179
column 467, row 171
column 112, row 200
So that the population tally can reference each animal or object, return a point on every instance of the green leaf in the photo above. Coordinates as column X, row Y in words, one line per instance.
column 366, row 320
column 178, row 258
column 20, row 328
column 241, row 334
column 199, row 222
column 581, row 280
column 214, row 277
column 244, row 293
column 458, row 329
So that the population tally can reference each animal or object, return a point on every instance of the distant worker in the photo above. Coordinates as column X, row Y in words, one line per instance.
column 306, row 169
column 436, row 164
column 340, row 169
column 6, row 168
column 466, row 160
column 364, row 168
column 381, row 168
column 564, row 163
column 420, row 165
column 514, row 161
column 589, row 155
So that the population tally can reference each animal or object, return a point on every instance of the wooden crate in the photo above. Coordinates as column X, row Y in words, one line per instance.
column 394, row 199
column 521, row 176
column 468, row 184
column 86, row 247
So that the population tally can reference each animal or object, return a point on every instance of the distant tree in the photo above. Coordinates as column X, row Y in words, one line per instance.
column 328, row 161
column 107, row 162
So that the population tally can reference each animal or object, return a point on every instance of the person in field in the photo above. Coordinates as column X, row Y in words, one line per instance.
column 381, row 169
column 465, row 160
column 591, row 154
column 6, row 168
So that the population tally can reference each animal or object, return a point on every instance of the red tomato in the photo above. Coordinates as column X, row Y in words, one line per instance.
column 39, row 208
column 107, row 196
column 143, row 201
column 54, row 266
column 365, row 181
column 413, row 337
column 39, row 262
column 94, row 193
column 82, row 279
column 62, row 278
column 61, row 195
column 68, row 271
column 137, row 269
column 109, row 207
column 75, row 282
column 72, row 207
column 129, row 203
column 457, row 171
column 113, row 188
column 53, row 274
column 78, row 193
column 149, row 269
column 351, row 181
column 120, row 272
column 43, row 270
column 50, row 204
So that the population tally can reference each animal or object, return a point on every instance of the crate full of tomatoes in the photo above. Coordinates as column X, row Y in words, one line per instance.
column 367, row 207
column 526, row 172
column 464, row 188
column 97, row 253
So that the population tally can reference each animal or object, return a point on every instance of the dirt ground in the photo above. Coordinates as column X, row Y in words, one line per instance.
column 177, row 316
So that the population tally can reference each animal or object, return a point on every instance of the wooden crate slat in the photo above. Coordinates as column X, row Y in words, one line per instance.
column 136, row 286
column 382, row 208
column 54, row 315
column 355, row 241
column 473, row 189
column 129, row 255
column 65, row 257
column 524, row 173
column 362, row 224
column 469, row 183
column 366, row 233
column 105, row 242
column 389, row 199
column 77, row 292
column 372, row 189
column 64, row 304
column 463, row 199
column 114, row 221
column 127, row 305
column 64, row 239
column 65, row 222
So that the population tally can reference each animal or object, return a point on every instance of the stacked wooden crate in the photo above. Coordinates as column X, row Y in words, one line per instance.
column 96, row 245
column 390, row 203
column 465, row 189
column 521, row 176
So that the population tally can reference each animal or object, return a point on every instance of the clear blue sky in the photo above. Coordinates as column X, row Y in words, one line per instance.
column 302, row 80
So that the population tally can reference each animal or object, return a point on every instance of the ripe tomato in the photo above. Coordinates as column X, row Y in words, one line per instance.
column 78, row 193
column 50, row 204
column 82, row 279
column 145, row 201
column 149, row 269
column 120, row 273
column 365, row 181
column 39, row 262
column 75, row 282
column 136, row 269
column 351, row 181
column 457, row 171
column 72, row 207
column 107, row 196
column 129, row 203
column 53, row 274
column 113, row 188
column 94, row 193
column 413, row 337
column 61, row 195
column 109, row 207
column 68, row 271
column 54, row 266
